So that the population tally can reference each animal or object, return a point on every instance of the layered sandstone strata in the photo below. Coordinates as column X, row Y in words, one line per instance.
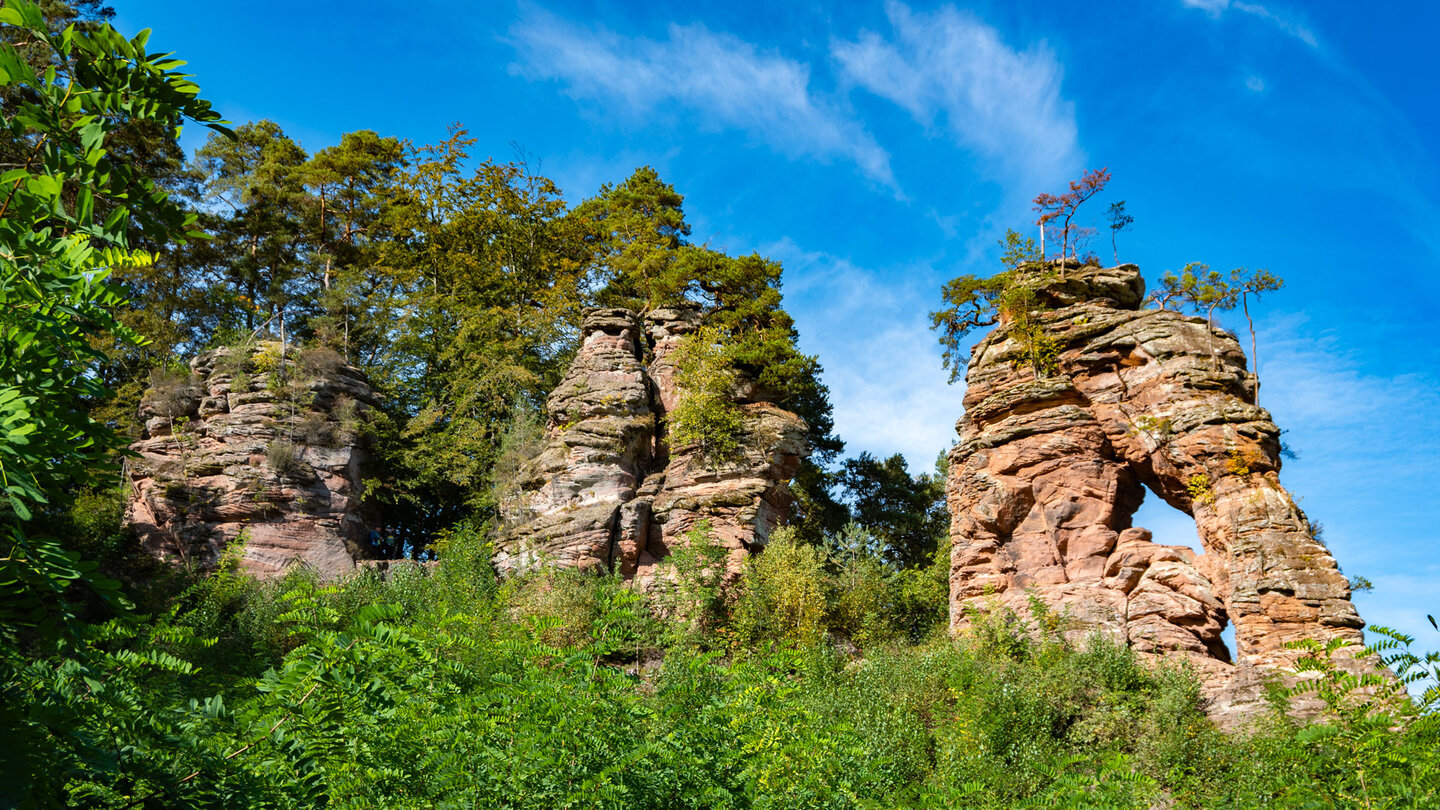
column 259, row 442
column 1051, row 468
column 609, row 492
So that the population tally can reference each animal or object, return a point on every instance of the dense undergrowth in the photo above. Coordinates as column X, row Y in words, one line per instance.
column 443, row 686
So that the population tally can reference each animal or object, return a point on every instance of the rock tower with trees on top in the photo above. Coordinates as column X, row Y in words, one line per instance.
column 1054, row 460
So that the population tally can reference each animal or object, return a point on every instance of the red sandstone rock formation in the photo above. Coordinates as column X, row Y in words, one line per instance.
column 1048, row 474
column 609, row 493
column 233, row 447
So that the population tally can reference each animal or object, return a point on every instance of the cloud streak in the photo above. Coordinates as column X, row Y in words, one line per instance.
column 1216, row 8
column 724, row 79
column 949, row 69
column 1369, row 457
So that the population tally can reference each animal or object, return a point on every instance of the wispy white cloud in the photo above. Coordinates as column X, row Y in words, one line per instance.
column 1286, row 23
column 1369, row 457
column 1255, row 84
column 726, row 81
column 1211, row 7
column 882, row 362
column 1368, row 142
column 1001, row 102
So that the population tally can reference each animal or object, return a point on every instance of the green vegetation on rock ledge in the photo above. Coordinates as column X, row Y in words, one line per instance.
column 1009, row 296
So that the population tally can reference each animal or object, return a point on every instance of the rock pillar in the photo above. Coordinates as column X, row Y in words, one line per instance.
column 609, row 492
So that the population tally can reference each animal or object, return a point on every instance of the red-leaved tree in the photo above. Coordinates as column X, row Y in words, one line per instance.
column 1062, row 207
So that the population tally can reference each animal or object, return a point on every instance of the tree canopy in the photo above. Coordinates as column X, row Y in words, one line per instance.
column 975, row 302
column 1061, row 209
column 906, row 512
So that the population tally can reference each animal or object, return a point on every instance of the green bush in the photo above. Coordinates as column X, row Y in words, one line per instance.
column 861, row 604
column 568, row 608
column 921, row 597
column 706, row 417
column 781, row 594
column 284, row 458
column 689, row 589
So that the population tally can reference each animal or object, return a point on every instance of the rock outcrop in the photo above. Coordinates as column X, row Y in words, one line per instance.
column 238, row 447
column 1049, row 472
column 608, row 492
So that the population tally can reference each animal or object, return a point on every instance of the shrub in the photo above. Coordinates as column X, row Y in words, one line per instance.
column 569, row 608
column 1199, row 488
column 283, row 457
column 689, row 587
column 347, row 420
column 234, row 358
column 522, row 440
column 861, row 605
column 318, row 361
column 921, row 597
column 432, row 687
column 706, row 416
column 267, row 358
column 173, row 392
column 781, row 594
column 95, row 523
column 315, row 429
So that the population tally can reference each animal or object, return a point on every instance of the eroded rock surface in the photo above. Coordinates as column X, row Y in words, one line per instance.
column 608, row 492
column 237, row 447
column 1048, row 473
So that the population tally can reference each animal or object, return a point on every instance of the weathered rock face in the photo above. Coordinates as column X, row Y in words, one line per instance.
column 1048, row 473
column 236, row 447
column 609, row 493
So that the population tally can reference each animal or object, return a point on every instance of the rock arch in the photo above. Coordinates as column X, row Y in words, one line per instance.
column 1048, row 474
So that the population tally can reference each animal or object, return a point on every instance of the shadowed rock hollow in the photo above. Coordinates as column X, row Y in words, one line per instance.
column 237, row 446
column 1049, row 472
column 609, row 492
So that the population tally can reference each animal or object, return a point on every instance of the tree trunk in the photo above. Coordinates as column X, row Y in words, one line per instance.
column 324, row 240
column 1210, row 322
column 1254, row 351
column 281, row 369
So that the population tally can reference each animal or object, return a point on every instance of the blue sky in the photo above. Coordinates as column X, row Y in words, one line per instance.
column 878, row 149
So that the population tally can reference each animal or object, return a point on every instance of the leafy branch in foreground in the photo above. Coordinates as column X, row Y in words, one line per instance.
column 65, row 212
column 1363, row 710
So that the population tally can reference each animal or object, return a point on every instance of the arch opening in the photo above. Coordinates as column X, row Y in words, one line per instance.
column 1170, row 526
